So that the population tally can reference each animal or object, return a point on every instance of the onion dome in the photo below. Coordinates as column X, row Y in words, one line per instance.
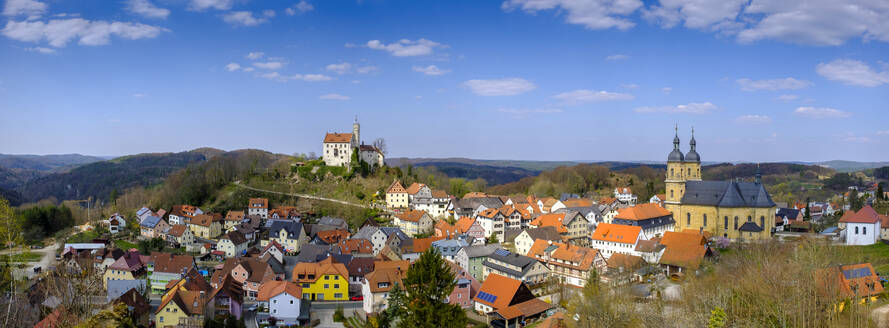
column 676, row 154
column 692, row 155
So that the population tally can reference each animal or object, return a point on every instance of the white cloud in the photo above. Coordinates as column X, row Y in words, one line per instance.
column 255, row 55
column 667, row 90
column 786, row 98
column 248, row 69
column 522, row 113
column 698, row 14
column 201, row 5
column 617, row 57
column 816, row 22
column 58, row 32
column 812, row 22
column 820, row 112
column 243, row 18
column 268, row 13
column 275, row 76
column 753, row 119
column 147, row 9
column 138, row 95
column 430, row 70
column 592, row 14
column 852, row 72
column 500, row 87
column 406, row 48
column 341, row 68
column 692, row 108
column 787, row 83
column 300, row 7
column 366, row 69
column 883, row 133
column 231, row 67
column 630, row 86
column 334, row 96
column 29, row 8
column 585, row 96
column 852, row 137
column 42, row 50
column 270, row 65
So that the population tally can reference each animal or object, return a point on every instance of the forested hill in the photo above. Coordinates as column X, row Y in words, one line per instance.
column 728, row 171
column 100, row 179
column 48, row 163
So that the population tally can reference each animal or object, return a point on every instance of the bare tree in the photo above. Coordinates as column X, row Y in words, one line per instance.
column 380, row 143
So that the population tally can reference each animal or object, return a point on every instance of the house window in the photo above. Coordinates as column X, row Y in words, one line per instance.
column 688, row 219
column 856, row 230
column 736, row 223
column 863, row 230
column 338, row 295
column 705, row 220
column 326, row 286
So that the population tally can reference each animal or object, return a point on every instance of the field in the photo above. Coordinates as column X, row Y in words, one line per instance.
column 124, row 245
column 877, row 254
column 22, row 257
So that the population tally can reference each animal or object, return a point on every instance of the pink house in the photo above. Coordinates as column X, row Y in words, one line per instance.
column 465, row 289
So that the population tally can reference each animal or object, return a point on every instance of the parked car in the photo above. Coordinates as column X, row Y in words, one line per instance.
column 252, row 308
column 357, row 298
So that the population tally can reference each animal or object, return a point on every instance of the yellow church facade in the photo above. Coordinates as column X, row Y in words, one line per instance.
column 730, row 209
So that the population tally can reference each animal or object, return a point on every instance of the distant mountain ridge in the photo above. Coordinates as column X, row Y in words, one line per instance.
column 50, row 163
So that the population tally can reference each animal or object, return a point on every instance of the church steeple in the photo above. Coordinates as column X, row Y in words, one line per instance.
column 693, row 155
column 676, row 154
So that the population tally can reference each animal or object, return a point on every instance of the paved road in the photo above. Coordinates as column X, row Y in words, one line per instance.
column 238, row 183
column 347, row 305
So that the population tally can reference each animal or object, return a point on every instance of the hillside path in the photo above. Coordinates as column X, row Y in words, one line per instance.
column 238, row 183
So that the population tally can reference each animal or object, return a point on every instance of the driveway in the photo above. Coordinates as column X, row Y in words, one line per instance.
column 49, row 257
column 879, row 315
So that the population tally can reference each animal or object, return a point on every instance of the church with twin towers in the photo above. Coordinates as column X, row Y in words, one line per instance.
column 730, row 209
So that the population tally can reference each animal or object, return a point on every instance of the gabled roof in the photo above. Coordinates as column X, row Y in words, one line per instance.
column 866, row 214
column 274, row 288
column 446, row 229
column 414, row 188
column 204, row 220
column 360, row 266
column 726, row 194
column 396, row 188
column 624, row 190
column 418, row 245
column 411, row 215
column 617, row 233
column 849, row 281
column 318, row 269
column 177, row 230
column 544, row 233
column 359, row 246
column 382, row 279
column 497, row 291
column 338, row 138
column 166, row 262
column 627, row 262
column 231, row 288
column 563, row 254
column 523, row 262
column 236, row 237
column 480, row 250
column 551, row 220
column 750, row 227
column 151, row 222
column 293, row 228
column 642, row 212
column 234, row 216
column 578, row 202
column 684, row 249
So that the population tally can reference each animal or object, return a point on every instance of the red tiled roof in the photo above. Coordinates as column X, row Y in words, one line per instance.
column 551, row 220
column 617, row 233
column 411, row 215
column 864, row 215
column 338, row 138
column 502, row 287
column 642, row 212
column 272, row 288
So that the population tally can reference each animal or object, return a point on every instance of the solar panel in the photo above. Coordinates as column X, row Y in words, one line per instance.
column 502, row 252
column 487, row 297
column 856, row 273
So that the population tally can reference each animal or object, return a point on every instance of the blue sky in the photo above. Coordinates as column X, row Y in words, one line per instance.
column 520, row 79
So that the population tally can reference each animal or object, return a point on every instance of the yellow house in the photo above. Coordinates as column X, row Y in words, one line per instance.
column 322, row 281
column 186, row 303
column 289, row 234
column 128, row 267
column 396, row 196
column 413, row 222
column 729, row 209
column 205, row 226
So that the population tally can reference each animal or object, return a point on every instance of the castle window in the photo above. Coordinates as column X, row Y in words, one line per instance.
column 705, row 220
column 671, row 173
column 688, row 219
column 736, row 223
column 689, row 171
column 762, row 221
column 725, row 223
column 749, row 218
column 671, row 193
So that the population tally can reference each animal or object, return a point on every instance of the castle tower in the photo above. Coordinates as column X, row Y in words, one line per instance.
column 692, row 163
column 356, row 133
column 675, row 179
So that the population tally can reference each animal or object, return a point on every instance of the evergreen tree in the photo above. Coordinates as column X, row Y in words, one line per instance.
column 808, row 215
column 880, row 194
column 428, row 282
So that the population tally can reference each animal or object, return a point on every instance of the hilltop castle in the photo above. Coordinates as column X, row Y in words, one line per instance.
column 730, row 209
column 338, row 148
